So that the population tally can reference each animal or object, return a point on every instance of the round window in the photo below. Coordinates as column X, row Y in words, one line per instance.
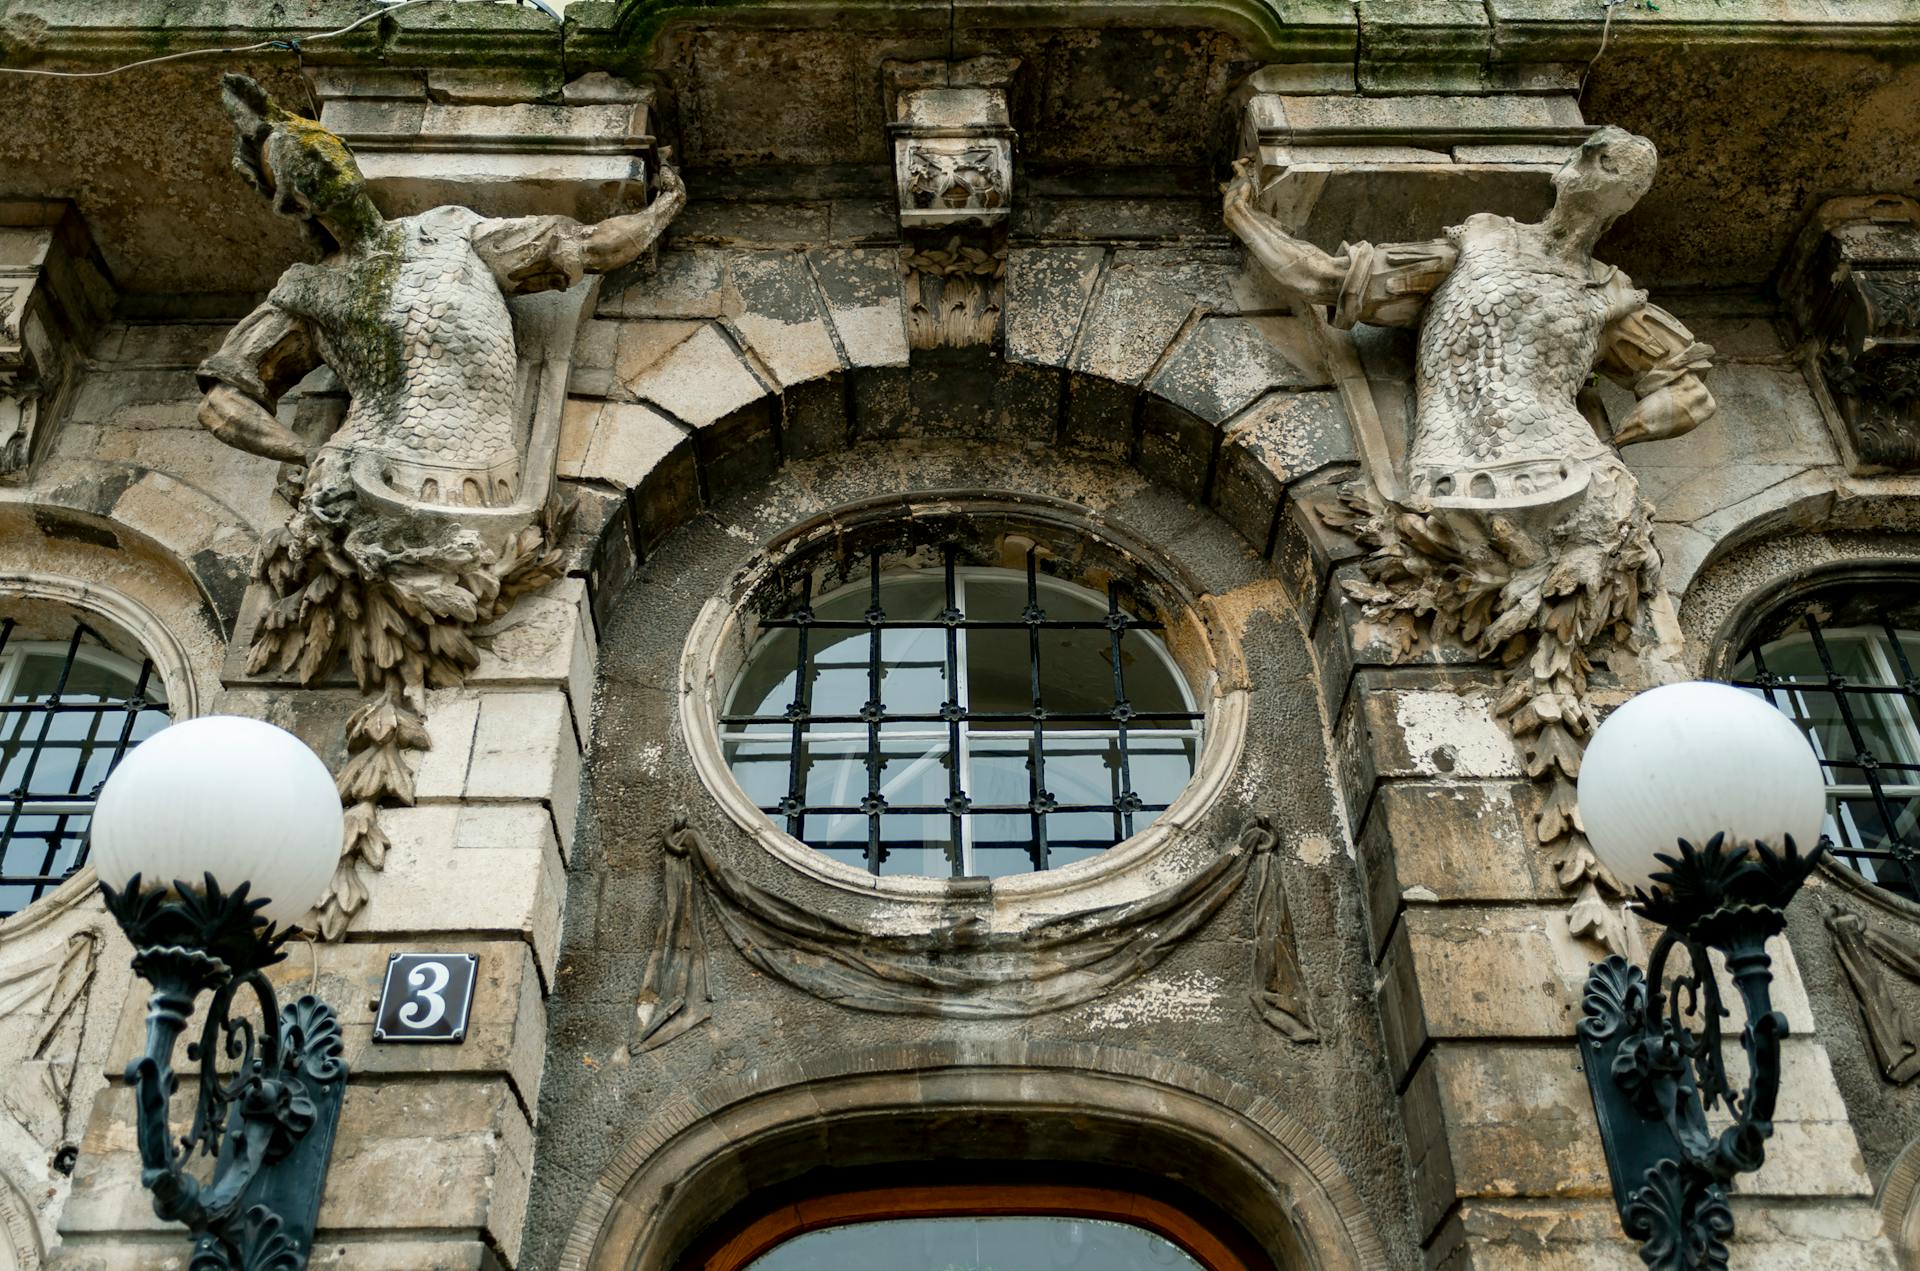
column 1841, row 664
column 956, row 720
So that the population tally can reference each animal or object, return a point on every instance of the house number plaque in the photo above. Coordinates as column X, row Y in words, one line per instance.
column 426, row 997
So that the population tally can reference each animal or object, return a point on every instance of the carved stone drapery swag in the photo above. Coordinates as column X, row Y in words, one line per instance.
column 433, row 504
column 1872, row 960
column 1516, row 532
column 961, row 970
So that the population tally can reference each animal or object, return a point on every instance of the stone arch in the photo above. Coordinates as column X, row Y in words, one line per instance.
column 726, row 364
column 138, row 586
column 1738, row 587
column 697, row 1158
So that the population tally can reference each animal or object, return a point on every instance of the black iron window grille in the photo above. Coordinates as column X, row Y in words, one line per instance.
column 961, row 721
column 69, row 709
column 1852, row 689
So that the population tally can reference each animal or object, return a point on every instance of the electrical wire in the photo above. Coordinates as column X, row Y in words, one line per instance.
column 289, row 45
column 1605, row 31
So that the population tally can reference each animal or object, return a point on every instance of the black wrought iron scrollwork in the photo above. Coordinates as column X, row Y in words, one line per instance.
column 1654, row 1049
column 268, row 1124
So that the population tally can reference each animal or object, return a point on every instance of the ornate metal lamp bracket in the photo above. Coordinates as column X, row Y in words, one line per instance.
column 1652, row 1046
column 268, row 1126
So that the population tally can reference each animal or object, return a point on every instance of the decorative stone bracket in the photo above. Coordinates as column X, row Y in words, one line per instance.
column 500, row 142
column 952, row 141
column 953, row 168
column 1852, row 287
column 52, row 292
column 1384, row 169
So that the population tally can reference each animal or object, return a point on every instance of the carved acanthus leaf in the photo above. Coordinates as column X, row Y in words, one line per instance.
column 401, row 631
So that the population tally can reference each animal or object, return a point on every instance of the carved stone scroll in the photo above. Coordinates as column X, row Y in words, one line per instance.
column 1871, row 959
column 434, row 503
column 960, row 970
column 1853, row 290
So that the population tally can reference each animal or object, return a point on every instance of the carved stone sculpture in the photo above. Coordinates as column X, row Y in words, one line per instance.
column 959, row 970
column 1515, row 531
column 431, row 506
column 1872, row 959
column 1852, row 286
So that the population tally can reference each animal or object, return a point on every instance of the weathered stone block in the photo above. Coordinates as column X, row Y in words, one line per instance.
column 1100, row 416
column 1509, row 1120
column 1224, row 365
column 739, row 451
column 473, row 1132
column 863, row 290
column 621, row 443
column 780, row 317
column 814, row 417
column 545, row 639
column 1427, row 842
column 684, row 283
column 477, row 868
column 506, row 1031
column 525, row 748
column 1459, row 973
column 1424, row 725
column 1046, row 296
column 700, row 380
column 1176, row 447
column 1280, row 439
column 1519, row 1235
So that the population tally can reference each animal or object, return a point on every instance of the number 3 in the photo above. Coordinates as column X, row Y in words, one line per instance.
column 436, row 1006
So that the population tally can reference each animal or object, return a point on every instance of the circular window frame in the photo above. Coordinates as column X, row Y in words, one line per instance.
column 161, row 646
column 1206, row 655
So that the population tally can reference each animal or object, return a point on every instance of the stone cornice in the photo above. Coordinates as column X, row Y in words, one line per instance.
column 71, row 34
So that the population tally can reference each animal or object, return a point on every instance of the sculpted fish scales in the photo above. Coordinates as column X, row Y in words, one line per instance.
column 1504, row 347
column 440, row 386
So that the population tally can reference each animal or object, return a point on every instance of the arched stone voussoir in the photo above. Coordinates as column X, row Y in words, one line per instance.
column 722, row 365
column 912, row 1106
column 147, row 515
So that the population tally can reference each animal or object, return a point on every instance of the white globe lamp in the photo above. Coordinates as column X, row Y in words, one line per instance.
column 1688, row 761
column 224, row 795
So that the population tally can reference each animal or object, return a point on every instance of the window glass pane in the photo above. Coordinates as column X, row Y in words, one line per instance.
column 916, row 844
column 1152, row 683
column 1076, row 676
column 1160, row 767
column 1841, row 722
column 761, row 768
column 770, row 682
column 1037, row 1243
column 53, row 761
column 1084, row 756
column 998, row 771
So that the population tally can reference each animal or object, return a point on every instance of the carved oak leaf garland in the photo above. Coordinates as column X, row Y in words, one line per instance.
column 402, row 618
column 1543, row 602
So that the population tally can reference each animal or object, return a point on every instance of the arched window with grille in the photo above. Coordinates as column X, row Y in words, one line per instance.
column 74, row 699
column 1841, row 662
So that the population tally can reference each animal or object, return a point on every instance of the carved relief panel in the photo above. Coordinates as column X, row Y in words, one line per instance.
column 51, row 294
column 1853, row 290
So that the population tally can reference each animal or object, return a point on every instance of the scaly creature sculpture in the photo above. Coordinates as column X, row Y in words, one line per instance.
column 410, row 526
column 1521, row 534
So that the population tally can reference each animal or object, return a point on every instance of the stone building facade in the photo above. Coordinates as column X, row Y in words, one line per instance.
column 951, row 303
